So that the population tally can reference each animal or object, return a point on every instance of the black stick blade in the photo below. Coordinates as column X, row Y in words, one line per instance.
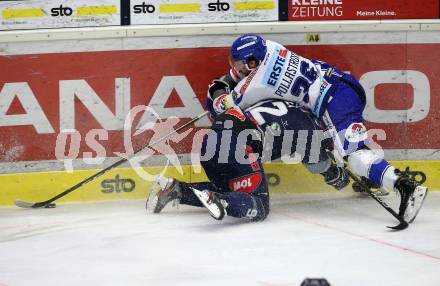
column 401, row 226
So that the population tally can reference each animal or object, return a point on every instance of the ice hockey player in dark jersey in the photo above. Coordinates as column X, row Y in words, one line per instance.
column 237, row 184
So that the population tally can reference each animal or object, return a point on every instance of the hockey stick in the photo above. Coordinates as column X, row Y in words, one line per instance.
column 49, row 204
column 402, row 223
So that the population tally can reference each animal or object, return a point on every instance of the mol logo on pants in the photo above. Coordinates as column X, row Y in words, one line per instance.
column 245, row 184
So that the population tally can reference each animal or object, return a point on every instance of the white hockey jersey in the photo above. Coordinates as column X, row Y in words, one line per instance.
column 283, row 75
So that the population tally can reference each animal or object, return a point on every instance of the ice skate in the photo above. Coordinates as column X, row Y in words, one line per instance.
column 412, row 195
column 163, row 191
column 210, row 200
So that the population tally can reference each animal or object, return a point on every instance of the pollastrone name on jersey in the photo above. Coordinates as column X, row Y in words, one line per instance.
column 289, row 75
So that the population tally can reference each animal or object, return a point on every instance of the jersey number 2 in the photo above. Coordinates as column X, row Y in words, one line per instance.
column 279, row 109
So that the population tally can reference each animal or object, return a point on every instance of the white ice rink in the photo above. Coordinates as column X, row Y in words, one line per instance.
column 338, row 236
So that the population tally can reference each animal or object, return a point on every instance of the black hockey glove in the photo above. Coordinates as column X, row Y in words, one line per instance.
column 337, row 177
column 217, row 88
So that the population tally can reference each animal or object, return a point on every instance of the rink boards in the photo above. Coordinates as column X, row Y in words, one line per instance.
column 83, row 84
column 127, row 183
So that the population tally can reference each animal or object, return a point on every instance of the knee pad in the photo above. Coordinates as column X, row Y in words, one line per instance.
column 264, row 208
column 253, row 186
column 361, row 160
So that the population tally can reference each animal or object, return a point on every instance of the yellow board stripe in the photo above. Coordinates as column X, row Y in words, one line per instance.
column 282, row 178
column 254, row 5
column 23, row 13
column 41, row 186
column 179, row 8
column 96, row 10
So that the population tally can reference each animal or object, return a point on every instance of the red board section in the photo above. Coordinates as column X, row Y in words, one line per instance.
column 46, row 75
column 362, row 9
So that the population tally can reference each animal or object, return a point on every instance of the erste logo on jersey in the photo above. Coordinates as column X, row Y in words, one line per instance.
column 277, row 63
column 356, row 132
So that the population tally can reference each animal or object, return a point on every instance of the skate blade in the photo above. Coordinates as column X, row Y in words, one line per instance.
column 152, row 198
column 415, row 203
column 160, row 184
column 215, row 209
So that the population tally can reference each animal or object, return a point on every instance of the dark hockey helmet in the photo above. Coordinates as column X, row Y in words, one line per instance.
column 249, row 47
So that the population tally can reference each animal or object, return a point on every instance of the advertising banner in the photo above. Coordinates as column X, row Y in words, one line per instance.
column 299, row 10
column 39, row 14
column 91, row 93
column 202, row 11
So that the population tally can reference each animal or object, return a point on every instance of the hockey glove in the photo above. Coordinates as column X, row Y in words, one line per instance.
column 218, row 88
column 337, row 177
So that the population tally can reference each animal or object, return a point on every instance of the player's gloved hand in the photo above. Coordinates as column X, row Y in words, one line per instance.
column 218, row 88
column 337, row 177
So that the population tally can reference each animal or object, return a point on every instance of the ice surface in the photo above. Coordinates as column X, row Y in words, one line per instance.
column 337, row 235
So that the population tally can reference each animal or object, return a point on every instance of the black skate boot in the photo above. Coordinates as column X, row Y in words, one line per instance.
column 412, row 195
column 215, row 205
column 163, row 191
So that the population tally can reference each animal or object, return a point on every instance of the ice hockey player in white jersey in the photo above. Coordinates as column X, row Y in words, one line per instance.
column 263, row 69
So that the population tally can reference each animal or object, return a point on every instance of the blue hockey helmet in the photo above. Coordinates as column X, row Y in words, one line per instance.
column 249, row 47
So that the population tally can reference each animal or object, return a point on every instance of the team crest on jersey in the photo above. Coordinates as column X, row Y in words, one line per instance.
column 356, row 132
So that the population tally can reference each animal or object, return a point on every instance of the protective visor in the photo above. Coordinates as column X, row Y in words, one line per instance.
column 238, row 65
